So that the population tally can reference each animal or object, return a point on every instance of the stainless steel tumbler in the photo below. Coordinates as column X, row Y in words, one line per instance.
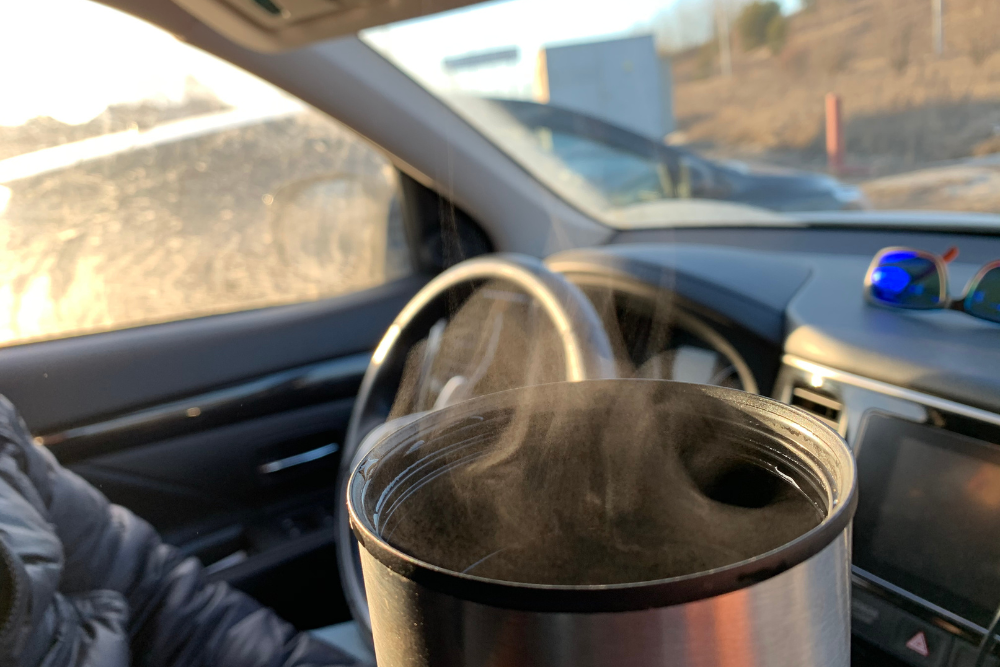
column 429, row 512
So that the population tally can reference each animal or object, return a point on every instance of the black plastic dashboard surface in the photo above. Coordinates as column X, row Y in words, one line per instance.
column 802, row 288
column 750, row 288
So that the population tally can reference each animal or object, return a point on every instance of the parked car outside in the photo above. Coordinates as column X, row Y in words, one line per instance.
column 628, row 168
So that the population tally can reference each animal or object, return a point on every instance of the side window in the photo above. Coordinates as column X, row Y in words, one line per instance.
column 145, row 181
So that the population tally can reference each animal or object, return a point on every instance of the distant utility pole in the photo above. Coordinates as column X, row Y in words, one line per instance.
column 722, row 33
column 937, row 25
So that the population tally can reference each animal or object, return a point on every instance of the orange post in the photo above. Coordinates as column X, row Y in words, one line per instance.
column 834, row 134
column 540, row 86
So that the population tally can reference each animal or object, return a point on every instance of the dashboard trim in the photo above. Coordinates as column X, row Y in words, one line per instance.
column 936, row 612
column 821, row 375
column 927, row 400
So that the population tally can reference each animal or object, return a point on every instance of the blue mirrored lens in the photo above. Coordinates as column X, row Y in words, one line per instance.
column 906, row 280
column 983, row 299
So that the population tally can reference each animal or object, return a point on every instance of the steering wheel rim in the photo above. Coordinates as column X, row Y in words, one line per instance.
column 587, row 352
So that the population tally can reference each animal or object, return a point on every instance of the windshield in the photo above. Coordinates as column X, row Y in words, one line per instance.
column 648, row 111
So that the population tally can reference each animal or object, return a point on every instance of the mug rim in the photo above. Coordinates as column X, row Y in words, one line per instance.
column 632, row 596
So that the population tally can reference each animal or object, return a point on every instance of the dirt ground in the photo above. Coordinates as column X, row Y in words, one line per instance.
column 968, row 186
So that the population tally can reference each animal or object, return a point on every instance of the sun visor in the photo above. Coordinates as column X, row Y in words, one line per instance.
column 278, row 25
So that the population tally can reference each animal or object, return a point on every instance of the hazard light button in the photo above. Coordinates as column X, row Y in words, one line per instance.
column 918, row 644
column 922, row 644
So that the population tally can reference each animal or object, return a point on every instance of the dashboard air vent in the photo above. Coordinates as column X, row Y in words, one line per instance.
column 820, row 403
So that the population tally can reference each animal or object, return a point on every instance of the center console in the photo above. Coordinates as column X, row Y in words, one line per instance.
column 926, row 559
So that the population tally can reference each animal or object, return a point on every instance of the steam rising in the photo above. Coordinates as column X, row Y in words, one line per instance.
column 573, row 484
column 497, row 340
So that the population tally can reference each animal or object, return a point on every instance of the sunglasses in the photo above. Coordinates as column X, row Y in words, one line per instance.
column 918, row 280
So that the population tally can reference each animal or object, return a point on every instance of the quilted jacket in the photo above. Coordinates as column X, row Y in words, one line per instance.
column 84, row 583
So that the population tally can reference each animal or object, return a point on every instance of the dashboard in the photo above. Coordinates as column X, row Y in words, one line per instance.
column 915, row 394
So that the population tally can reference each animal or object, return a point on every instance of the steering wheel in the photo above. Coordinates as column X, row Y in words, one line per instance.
column 587, row 355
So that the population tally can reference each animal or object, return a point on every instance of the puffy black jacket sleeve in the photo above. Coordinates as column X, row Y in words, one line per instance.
column 84, row 582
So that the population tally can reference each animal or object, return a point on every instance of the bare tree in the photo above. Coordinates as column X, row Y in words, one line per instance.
column 684, row 24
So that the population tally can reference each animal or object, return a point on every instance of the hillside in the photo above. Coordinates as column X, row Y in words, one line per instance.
column 904, row 107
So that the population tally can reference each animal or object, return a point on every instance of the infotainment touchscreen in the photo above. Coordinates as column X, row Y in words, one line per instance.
column 929, row 514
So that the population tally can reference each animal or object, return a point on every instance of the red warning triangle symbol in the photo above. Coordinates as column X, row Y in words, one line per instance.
column 918, row 644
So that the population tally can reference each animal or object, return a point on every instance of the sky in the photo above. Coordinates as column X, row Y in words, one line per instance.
column 70, row 59
column 419, row 46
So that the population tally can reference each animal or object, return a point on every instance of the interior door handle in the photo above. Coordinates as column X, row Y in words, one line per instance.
column 298, row 459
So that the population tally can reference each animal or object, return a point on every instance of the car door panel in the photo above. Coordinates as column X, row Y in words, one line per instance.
column 273, row 393
column 206, row 493
column 81, row 380
column 223, row 432
column 218, row 471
